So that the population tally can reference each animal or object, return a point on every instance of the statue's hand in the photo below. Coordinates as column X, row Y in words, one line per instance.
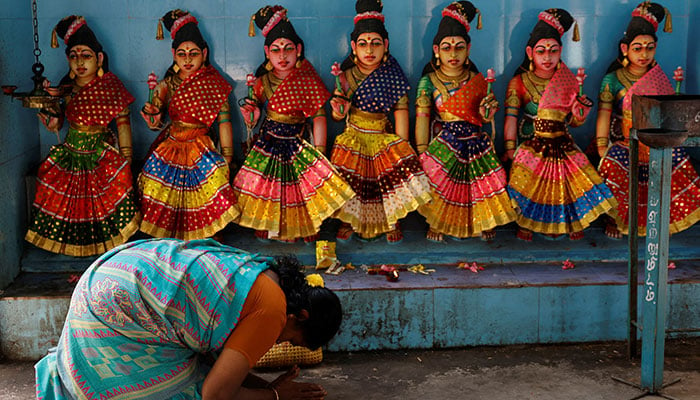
column 151, row 114
column 581, row 107
column 488, row 103
column 50, row 122
column 248, row 108
column 339, row 105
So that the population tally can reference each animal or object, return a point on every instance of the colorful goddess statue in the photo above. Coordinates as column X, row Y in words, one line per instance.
column 469, row 182
column 556, row 188
column 372, row 154
column 286, row 187
column 184, row 185
column 84, row 202
column 635, row 72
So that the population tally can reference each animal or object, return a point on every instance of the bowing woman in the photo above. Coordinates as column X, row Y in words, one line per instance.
column 145, row 318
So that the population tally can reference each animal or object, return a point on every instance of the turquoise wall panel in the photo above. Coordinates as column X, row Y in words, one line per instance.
column 472, row 317
column 385, row 319
column 127, row 28
column 683, row 313
column 582, row 313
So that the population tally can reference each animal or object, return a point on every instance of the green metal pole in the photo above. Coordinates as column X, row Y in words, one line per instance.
column 655, row 294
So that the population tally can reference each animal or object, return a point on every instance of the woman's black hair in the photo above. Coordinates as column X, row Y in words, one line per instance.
column 283, row 29
column 323, row 306
column 543, row 30
column 367, row 25
column 188, row 32
column 83, row 36
column 452, row 27
column 636, row 27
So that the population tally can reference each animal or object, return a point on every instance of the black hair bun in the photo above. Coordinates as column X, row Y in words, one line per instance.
column 368, row 5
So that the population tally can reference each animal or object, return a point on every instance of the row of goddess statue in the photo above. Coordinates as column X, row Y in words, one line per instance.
column 86, row 202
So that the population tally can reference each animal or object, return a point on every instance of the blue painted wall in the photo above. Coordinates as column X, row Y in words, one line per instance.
column 19, row 151
column 127, row 31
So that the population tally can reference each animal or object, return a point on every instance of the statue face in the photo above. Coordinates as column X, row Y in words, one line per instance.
column 84, row 63
column 641, row 51
column 545, row 55
column 370, row 49
column 282, row 54
column 189, row 57
column 453, row 52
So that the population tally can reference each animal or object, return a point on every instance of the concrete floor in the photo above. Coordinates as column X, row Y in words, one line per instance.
column 571, row 372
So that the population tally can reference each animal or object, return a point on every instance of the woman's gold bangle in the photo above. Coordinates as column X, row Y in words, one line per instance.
column 602, row 141
column 509, row 144
column 227, row 151
column 277, row 395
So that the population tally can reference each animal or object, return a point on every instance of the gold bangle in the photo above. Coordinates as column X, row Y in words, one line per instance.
column 602, row 141
column 321, row 149
column 126, row 151
column 227, row 151
column 509, row 144
column 277, row 395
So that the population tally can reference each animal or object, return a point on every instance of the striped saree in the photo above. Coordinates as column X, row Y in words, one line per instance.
column 140, row 316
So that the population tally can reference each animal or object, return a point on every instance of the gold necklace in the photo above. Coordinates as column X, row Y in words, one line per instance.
column 455, row 80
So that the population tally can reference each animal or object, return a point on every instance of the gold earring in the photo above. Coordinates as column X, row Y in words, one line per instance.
column 354, row 57
column 531, row 67
column 386, row 57
column 268, row 66
column 176, row 68
column 625, row 62
column 71, row 75
column 437, row 60
column 298, row 63
column 466, row 62
column 100, row 72
column 558, row 65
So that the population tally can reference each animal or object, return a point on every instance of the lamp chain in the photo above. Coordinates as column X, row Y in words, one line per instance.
column 35, row 24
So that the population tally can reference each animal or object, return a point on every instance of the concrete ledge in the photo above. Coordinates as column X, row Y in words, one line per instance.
column 513, row 304
column 29, row 326
column 522, row 296
column 501, row 305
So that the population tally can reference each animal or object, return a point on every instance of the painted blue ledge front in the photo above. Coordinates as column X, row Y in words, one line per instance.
column 514, row 304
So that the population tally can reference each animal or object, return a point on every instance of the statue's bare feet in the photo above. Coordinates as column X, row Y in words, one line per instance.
column 434, row 236
column 491, row 234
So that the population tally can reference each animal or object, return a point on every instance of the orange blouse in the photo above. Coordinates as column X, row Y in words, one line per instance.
column 262, row 319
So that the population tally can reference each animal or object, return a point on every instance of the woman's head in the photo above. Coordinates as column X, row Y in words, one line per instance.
column 186, row 38
column 83, row 50
column 543, row 50
column 283, row 47
column 452, row 44
column 638, row 44
column 369, row 39
column 316, row 311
